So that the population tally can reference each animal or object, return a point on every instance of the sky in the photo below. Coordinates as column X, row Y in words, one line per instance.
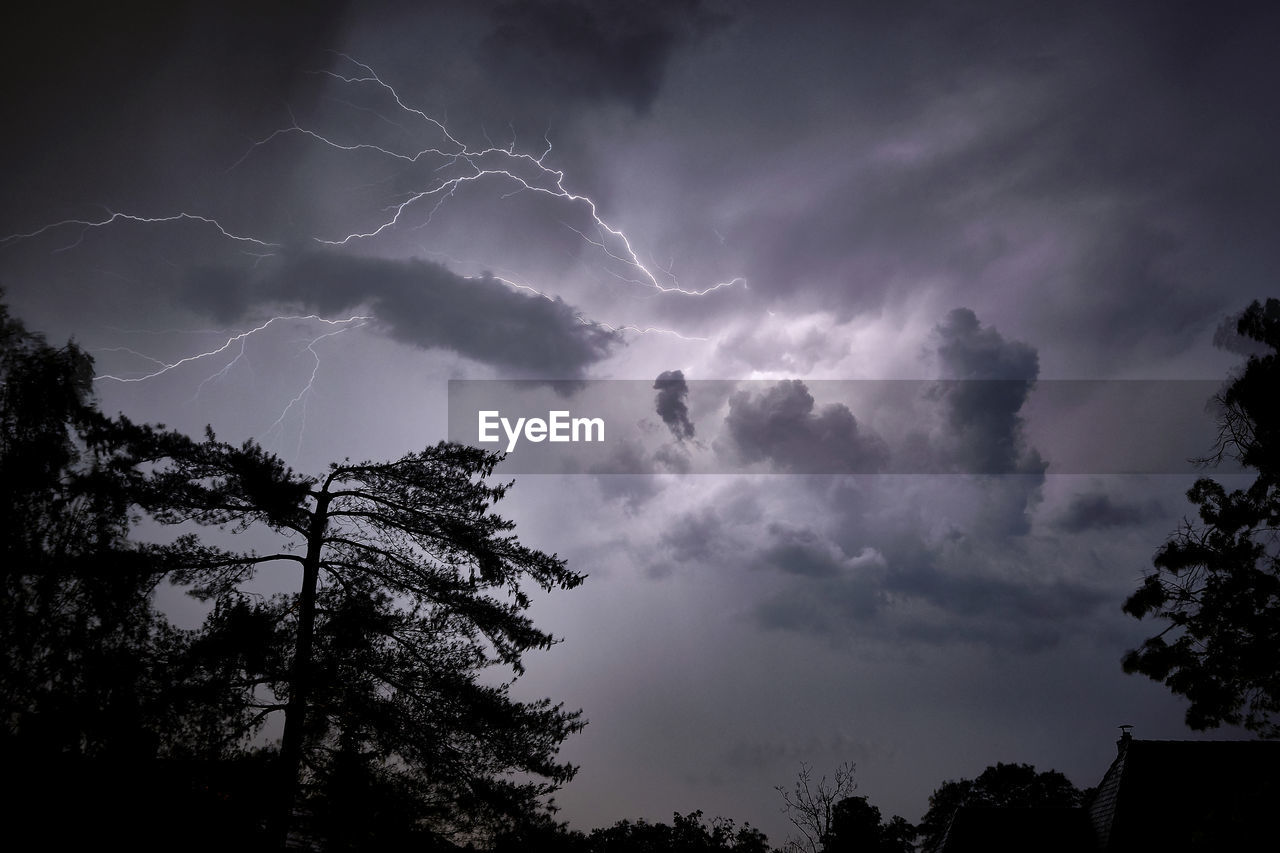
column 299, row 225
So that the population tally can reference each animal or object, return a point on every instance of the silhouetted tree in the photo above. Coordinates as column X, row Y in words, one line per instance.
column 410, row 588
column 898, row 835
column 686, row 834
column 1217, row 581
column 100, row 722
column 539, row 832
column 857, row 827
column 77, row 628
column 999, row 786
column 810, row 806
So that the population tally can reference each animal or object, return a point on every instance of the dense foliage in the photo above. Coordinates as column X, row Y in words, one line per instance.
column 410, row 589
column 80, row 672
column 1217, row 580
column 397, row 731
column 999, row 786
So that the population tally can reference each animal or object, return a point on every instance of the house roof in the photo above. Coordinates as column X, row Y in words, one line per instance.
column 1188, row 795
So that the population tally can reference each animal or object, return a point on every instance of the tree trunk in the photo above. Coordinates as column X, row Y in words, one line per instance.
column 299, row 681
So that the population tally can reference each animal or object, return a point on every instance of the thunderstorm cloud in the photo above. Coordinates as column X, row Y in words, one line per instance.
column 421, row 303
column 1097, row 510
column 780, row 426
column 571, row 51
column 987, row 382
column 673, row 391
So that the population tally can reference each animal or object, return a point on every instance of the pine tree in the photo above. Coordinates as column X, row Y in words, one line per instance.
column 410, row 589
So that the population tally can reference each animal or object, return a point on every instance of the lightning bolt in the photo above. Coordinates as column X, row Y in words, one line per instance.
column 222, row 374
column 166, row 367
column 235, row 345
column 646, row 330
column 504, row 164
column 477, row 164
column 88, row 224
column 302, row 396
column 454, row 165
column 528, row 288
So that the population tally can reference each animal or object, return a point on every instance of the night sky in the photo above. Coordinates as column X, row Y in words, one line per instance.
column 422, row 192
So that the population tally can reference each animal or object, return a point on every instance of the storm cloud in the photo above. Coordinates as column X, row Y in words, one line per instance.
column 1099, row 511
column 780, row 425
column 883, row 570
column 670, row 403
column 566, row 51
column 421, row 303
column 989, row 380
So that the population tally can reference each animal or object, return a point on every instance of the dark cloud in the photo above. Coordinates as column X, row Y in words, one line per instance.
column 965, row 590
column 673, row 458
column 420, row 303
column 1000, row 150
column 990, row 379
column 929, row 562
column 715, row 535
column 832, row 591
column 835, row 609
column 780, row 425
column 801, row 551
column 131, row 108
column 695, row 537
column 935, row 594
column 562, row 51
column 631, row 491
column 220, row 293
column 969, row 351
column 670, row 402
column 1097, row 511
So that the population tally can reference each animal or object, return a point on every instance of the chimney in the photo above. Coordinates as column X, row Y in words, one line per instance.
column 1125, row 737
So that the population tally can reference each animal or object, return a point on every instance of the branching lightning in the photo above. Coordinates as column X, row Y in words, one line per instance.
column 454, row 165
column 87, row 224
column 493, row 162
column 235, row 345
column 301, row 397
column 646, row 330
column 166, row 367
